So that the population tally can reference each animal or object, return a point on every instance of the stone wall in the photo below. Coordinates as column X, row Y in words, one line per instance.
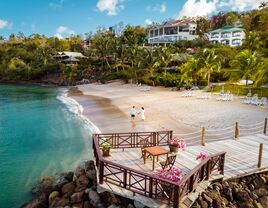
column 74, row 189
column 246, row 192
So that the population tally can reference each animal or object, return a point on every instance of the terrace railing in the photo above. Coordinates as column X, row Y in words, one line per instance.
column 146, row 184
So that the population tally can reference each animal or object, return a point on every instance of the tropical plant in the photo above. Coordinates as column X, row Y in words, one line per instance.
column 209, row 63
column 243, row 66
column 190, row 70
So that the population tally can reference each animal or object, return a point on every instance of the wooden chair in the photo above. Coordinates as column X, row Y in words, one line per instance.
column 169, row 162
column 144, row 143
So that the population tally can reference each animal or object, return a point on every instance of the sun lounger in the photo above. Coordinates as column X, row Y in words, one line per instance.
column 188, row 94
column 204, row 96
column 262, row 101
column 145, row 88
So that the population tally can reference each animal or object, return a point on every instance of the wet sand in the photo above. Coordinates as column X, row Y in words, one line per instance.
column 108, row 106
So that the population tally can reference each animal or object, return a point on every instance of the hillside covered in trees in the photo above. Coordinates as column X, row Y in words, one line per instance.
column 126, row 55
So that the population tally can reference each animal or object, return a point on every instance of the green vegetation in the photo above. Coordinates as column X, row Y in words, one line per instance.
column 125, row 55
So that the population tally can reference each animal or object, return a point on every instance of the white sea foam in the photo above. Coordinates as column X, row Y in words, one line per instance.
column 74, row 107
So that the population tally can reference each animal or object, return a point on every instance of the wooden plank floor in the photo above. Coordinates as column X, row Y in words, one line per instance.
column 241, row 158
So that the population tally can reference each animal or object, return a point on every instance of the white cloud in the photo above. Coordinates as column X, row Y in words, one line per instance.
column 148, row 22
column 162, row 8
column 4, row 24
column 240, row 5
column 194, row 8
column 56, row 5
column 111, row 6
column 63, row 31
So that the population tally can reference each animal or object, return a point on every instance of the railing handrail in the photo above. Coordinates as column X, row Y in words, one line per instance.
column 199, row 166
column 147, row 191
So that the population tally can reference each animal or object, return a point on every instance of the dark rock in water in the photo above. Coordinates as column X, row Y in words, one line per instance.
column 245, row 204
column 60, row 202
column 69, row 176
column 68, row 189
column 87, row 204
column 53, row 196
column 37, row 202
column 81, row 183
column 203, row 204
column 77, row 197
column 208, row 199
column 49, row 184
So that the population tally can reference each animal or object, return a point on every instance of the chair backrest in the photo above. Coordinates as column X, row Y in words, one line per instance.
column 171, row 159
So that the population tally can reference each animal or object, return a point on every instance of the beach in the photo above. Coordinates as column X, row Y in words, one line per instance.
column 108, row 107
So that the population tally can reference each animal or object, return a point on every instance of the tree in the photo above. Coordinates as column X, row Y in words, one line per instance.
column 261, row 74
column 203, row 26
column 209, row 63
column 253, row 41
column 243, row 66
column 190, row 70
column 263, row 5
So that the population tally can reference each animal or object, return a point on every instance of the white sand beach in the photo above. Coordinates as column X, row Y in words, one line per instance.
column 108, row 106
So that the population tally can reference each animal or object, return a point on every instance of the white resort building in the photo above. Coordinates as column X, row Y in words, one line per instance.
column 228, row 35
column 172, row 31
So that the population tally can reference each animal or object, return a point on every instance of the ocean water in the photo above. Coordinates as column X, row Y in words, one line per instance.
column 41, row 132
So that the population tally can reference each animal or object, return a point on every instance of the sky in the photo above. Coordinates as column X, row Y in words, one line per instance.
column 61, row 18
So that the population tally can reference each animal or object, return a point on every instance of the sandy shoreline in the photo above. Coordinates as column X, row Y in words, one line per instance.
column 108, row 106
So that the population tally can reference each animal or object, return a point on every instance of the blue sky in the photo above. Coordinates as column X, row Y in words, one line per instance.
column 64, row 17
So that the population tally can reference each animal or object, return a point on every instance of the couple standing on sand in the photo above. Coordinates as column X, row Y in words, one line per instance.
column 133, row 114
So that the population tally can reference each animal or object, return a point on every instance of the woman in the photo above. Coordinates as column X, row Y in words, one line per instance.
column 142, row 114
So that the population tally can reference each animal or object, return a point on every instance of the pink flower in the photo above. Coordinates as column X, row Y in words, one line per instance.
column 202, row 155
column 173, row 174
column 177, row 141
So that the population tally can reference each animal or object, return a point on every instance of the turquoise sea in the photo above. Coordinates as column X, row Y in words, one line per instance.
column 41, row 133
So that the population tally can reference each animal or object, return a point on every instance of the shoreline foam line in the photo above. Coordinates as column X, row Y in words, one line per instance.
column 74, row 107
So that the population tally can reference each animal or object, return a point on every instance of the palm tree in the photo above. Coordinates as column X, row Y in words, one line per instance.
column 189, row 70
column 261, row 74
column 243, row 66
column 209, row 63
column 263, row 5
column 253, row 41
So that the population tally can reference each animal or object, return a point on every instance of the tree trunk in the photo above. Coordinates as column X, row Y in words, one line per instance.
column 208, row 79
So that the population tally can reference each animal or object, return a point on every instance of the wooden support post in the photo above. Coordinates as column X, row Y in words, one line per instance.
column 154, row 138
column 236, row 131
column 203, row 136
column 125, row 178
column 176, row 197
column 101, row 172
column 265, row 126
column 260, row 155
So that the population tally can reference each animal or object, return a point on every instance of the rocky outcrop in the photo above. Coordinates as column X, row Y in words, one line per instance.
column 74, row 189
column 247, row 192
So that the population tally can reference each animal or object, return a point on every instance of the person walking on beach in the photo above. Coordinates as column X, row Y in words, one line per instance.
column 142, row 114
column 133, row 114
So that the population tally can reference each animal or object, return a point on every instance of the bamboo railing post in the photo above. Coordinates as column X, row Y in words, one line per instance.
column 236, row 131
column 101, row 172
column 260, row 155
column 203, row 136
column 265, row 125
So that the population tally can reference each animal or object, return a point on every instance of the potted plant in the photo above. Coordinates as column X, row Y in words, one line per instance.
column 176, row 143
column 105, row 147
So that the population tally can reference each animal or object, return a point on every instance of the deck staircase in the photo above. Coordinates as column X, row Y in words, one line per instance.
column 189, row 200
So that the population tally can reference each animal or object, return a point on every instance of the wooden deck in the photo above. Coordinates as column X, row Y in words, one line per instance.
column 241, row 158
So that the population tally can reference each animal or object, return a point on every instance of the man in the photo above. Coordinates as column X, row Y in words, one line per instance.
column 133, row 114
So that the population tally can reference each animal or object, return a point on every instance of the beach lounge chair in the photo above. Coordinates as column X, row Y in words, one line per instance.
column 262, row 101
column 169, row 162
column 254, row 100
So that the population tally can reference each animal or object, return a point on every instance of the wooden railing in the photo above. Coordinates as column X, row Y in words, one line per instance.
column 148, row 184
column 134, row 139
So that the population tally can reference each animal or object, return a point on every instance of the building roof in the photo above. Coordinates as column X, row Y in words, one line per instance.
column 176, row 22
column 227, row 29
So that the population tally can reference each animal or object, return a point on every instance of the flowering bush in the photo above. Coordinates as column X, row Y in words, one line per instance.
column 177, row 141
column 173, row 174
column 202, row 156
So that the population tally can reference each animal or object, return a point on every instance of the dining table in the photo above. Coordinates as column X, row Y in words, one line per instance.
column 154, row 151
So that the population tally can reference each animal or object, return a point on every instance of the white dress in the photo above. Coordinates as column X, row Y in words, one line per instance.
column 142, row 114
